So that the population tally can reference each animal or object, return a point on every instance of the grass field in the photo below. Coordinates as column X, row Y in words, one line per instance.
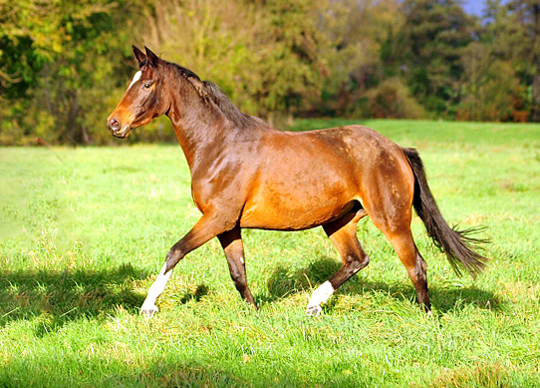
column 84, row 232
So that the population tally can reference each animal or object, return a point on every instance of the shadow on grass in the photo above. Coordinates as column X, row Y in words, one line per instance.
column 175, row 373
column 283, row 282
column 200, row 291
column 67, row 295
column 171, row 373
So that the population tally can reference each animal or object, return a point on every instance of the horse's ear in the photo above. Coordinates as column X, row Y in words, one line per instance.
column 139, row 55
column 153, row 58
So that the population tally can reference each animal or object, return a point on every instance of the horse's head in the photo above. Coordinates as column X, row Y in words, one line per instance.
column 143, row 99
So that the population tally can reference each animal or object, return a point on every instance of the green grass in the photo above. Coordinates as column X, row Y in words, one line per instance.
column 84, row 232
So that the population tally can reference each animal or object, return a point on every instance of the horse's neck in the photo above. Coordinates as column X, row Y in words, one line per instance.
column 198, row 128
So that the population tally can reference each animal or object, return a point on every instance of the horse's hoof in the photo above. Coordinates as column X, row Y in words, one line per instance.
column 314, row 310
column 149, row 311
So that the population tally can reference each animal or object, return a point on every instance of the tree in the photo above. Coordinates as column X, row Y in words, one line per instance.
column 70, row 43
column 524, row 16
column 214, row 38
column 490, row 89
column 361, row 45
column 433, row 37
column 263, row 54
column 20, row 57
column 290, row 65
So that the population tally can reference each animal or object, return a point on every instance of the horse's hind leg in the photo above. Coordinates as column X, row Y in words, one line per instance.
column 234, row 251
column 342, row 234
column 388, row 201
column 414, row 263
column 396, row 226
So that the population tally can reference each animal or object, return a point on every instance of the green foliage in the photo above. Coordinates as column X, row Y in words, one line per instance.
column 512, row 34
column 360, row 51
column 291, row 63
column 214, row 38
column 20, row 66
column 64, row 65
column 70, row 44
column 490, row 91
column 434, row 34
column 263, row 55
column 391, row 99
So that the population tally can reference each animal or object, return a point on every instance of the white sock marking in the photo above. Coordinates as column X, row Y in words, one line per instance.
column 136, row 77
column 156, row 289
column 321, row 294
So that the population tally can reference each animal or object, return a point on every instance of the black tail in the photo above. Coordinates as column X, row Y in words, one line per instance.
column 457, row 244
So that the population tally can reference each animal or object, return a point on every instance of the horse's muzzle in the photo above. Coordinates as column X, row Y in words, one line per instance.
column 116, row 128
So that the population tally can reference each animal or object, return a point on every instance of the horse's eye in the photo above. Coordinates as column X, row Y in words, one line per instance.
column 147, row 85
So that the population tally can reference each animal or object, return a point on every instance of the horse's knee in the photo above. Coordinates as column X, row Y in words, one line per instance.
column 173, row 257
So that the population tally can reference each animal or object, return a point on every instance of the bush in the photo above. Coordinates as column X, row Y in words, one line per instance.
column 391, row 99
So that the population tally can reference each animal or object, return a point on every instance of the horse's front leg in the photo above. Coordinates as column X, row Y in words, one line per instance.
column 231, row 242
column 204, row 230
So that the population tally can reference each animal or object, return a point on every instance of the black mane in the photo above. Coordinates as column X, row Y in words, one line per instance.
column 210, row 92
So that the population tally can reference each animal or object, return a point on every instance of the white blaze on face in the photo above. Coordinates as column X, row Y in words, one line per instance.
column 136, row 77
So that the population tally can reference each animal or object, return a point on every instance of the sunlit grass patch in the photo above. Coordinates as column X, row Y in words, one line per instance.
column 83, row 239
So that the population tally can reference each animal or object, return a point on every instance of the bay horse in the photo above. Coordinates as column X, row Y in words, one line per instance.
column 245, row 174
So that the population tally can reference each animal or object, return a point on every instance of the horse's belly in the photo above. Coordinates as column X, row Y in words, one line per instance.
column 295, row 210
column 287, row 219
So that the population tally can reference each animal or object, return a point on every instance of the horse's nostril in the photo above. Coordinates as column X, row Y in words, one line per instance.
column 114, row 124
